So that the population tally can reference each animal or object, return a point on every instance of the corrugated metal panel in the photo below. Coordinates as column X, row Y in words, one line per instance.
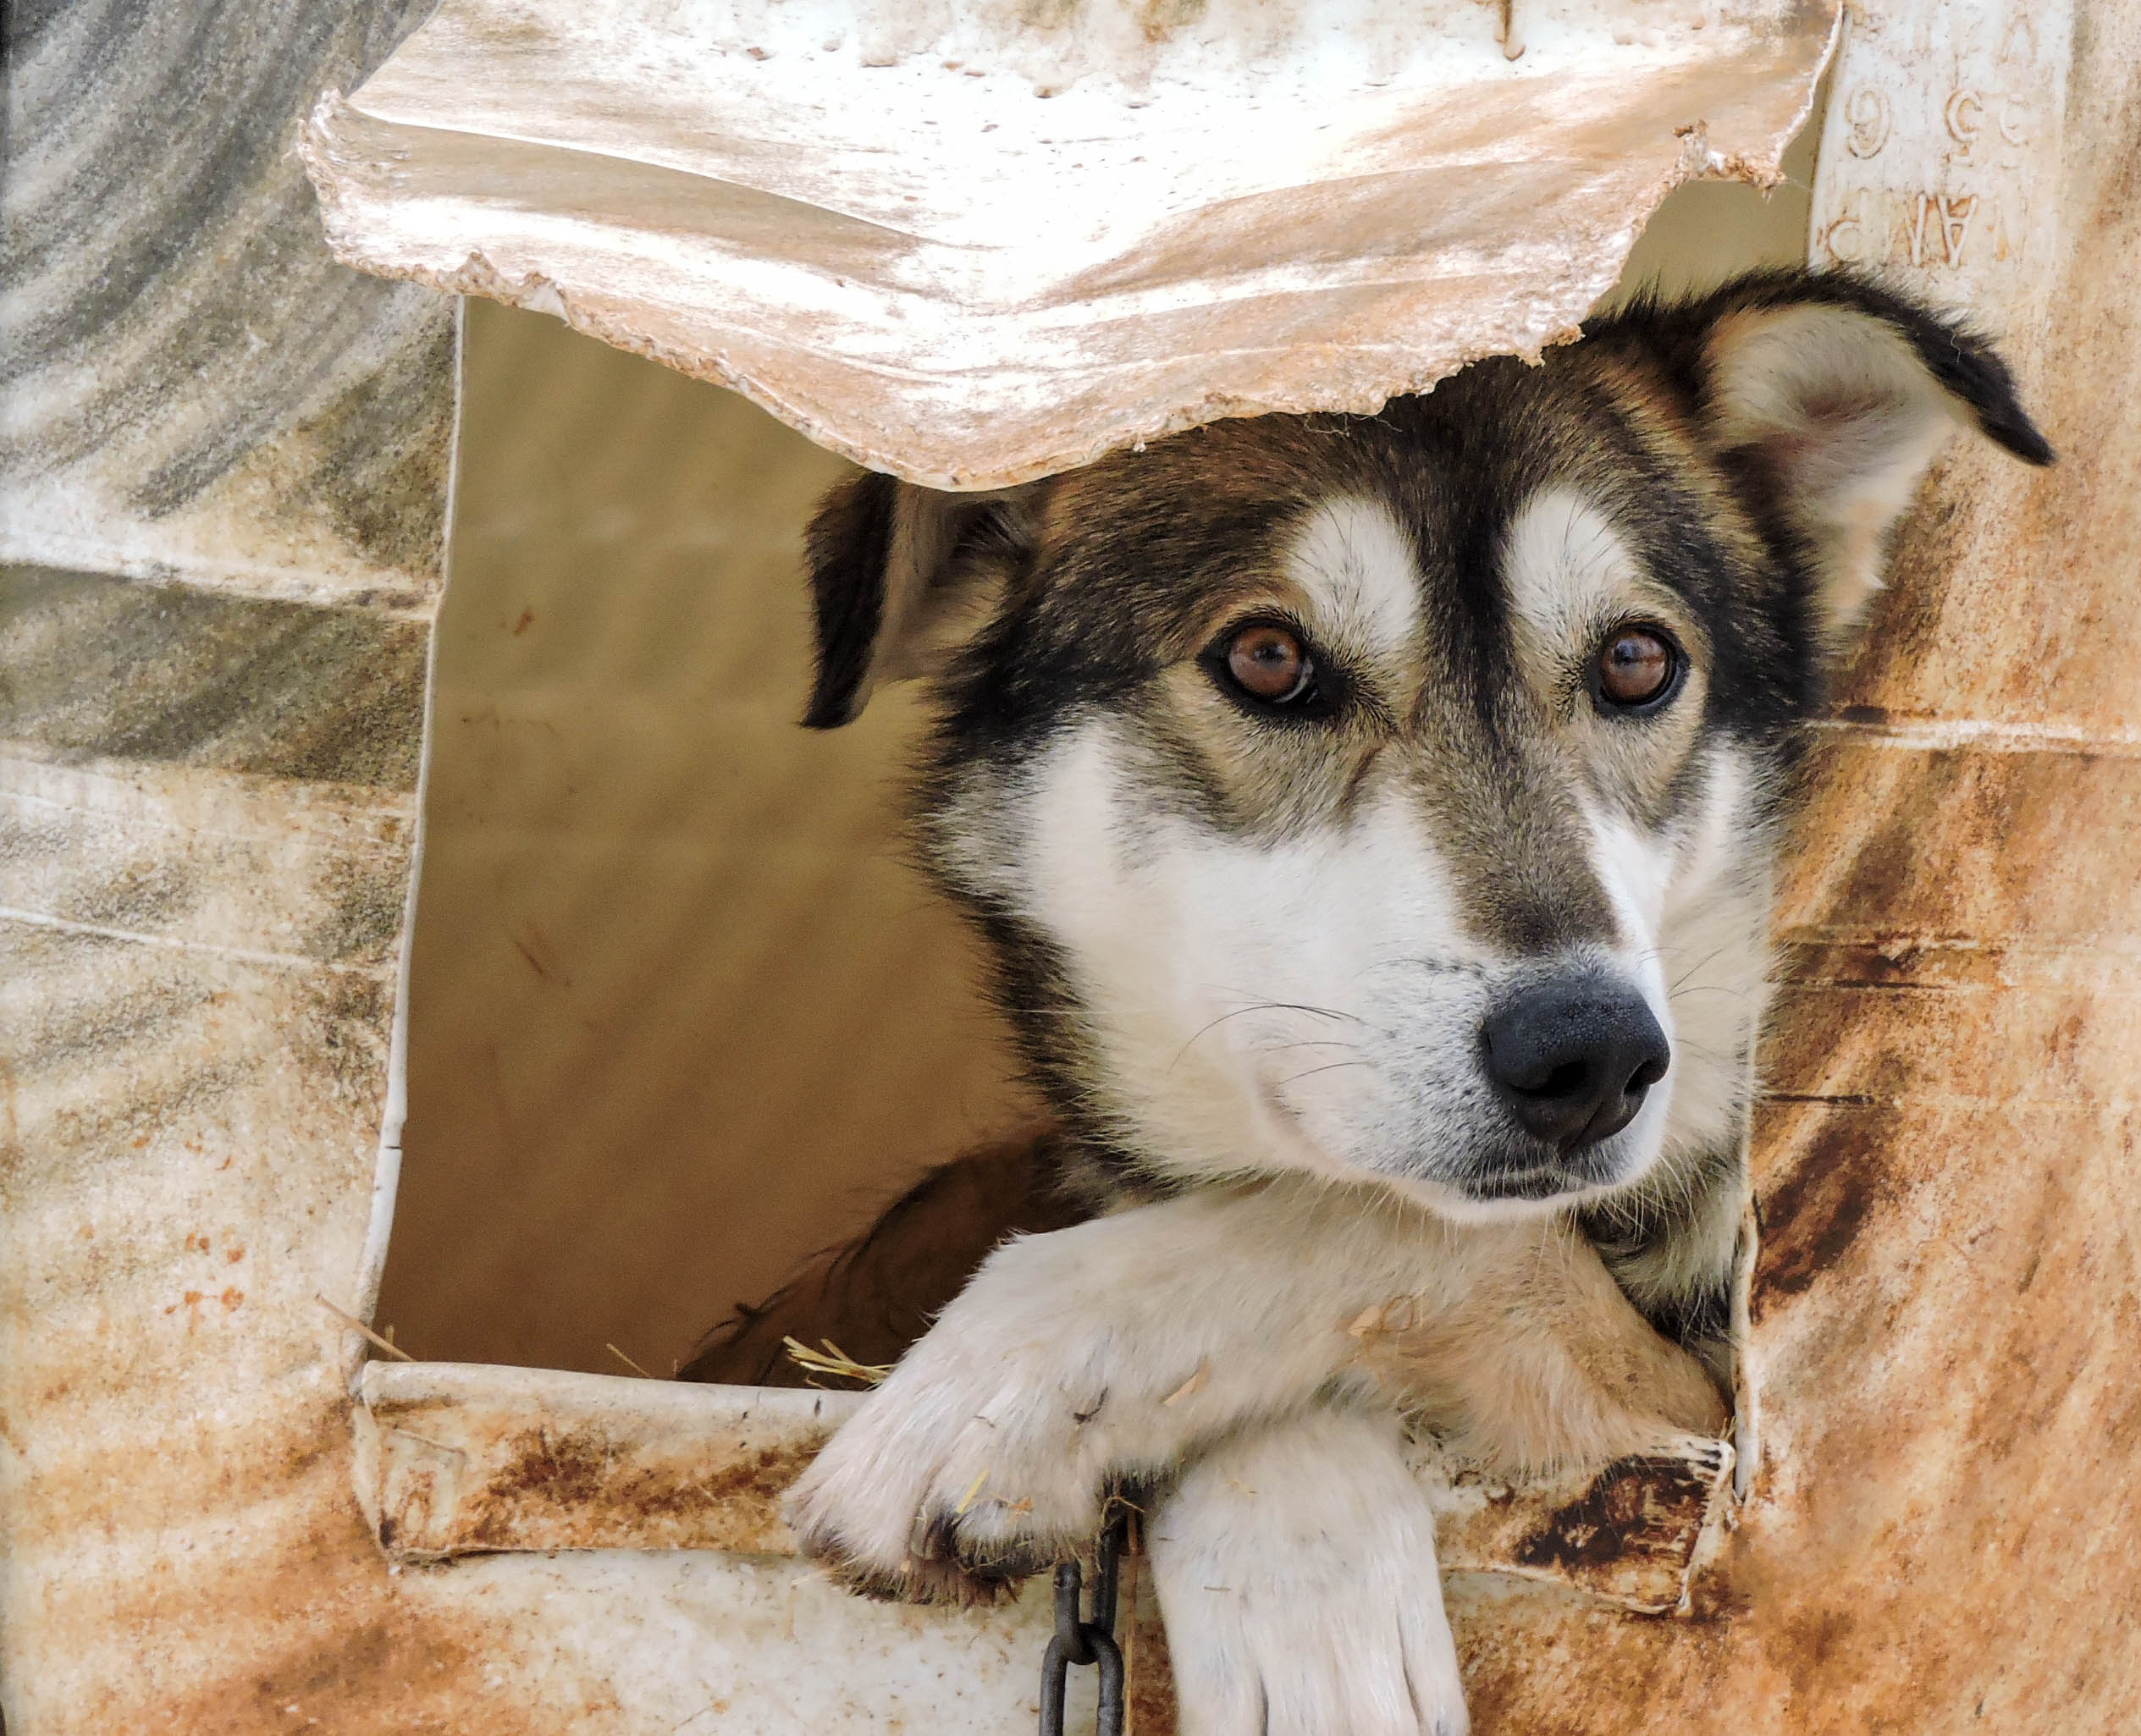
column 190, row 385
column 227, row 459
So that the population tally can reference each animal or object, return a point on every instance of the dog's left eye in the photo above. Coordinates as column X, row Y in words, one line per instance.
column 1636, row 669
column 1268, row 663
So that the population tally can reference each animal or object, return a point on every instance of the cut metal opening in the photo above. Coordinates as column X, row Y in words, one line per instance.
column 678, row 1012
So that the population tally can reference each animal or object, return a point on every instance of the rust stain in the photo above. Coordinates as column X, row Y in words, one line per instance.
column 476, row 1476
column 1817, row 1212
column 1650, row 1507
column 326, row 1642
column 574, row 1491
column 564, row 1470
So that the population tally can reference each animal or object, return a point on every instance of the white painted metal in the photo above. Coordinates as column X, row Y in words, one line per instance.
column 1940, row 149
column 974, row 245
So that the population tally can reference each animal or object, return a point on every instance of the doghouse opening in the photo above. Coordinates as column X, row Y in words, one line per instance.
column 680, row 1014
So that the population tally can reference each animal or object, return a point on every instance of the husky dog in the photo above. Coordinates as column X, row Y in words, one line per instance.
column 1371, row 820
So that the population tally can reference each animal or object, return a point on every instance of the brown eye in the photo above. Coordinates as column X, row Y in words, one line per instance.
column 1268, row 663
column 1636, row 667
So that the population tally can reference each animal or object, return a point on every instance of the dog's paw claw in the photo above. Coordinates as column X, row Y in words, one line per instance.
column 891, row 1510
column 942, row 1579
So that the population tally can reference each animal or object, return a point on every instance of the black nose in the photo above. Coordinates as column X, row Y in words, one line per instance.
column 1572, row 1059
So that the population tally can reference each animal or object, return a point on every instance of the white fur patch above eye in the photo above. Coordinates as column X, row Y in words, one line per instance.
column 1565, row 568
column 1361, row 574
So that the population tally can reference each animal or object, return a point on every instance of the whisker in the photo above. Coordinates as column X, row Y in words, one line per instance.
column 1325, row 1012
column 1328, row 1067
column 1258, row 1006
column 1709, row 958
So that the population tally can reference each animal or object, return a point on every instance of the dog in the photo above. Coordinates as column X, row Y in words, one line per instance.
column 1373, row 822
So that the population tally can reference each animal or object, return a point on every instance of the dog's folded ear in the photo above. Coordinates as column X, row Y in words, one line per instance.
column 900, row 577
column 1830, row 395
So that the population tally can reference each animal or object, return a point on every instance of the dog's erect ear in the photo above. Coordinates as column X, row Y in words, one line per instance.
column 901, row 578
column 1833, row 395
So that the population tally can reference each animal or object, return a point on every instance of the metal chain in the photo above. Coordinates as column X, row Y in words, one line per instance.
column 1090, row 1641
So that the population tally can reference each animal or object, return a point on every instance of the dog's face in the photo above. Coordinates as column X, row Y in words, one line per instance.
column 1392, row 797
column 1378, row 843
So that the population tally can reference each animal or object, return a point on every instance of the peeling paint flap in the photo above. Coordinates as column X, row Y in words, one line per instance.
column 970, row 248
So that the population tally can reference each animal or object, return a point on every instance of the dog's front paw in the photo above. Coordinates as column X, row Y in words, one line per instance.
column 977, row 1463
column 1295, row 1562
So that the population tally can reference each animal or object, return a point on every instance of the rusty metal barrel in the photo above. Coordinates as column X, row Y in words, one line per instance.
column 226, row 467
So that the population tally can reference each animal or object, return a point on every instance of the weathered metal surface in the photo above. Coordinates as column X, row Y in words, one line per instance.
column 206, row 833
column 202, row 879
column 1632, row 1535
column 191, row 384
column 458, row 1458
column 171, row 673
column 977, row 246
column 222, row 465
column 1939, row 153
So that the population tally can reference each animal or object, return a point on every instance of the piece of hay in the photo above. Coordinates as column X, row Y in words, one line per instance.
column 626, row 1361
column 1192, row 1386
column 833, row 1360
column 352, row 1321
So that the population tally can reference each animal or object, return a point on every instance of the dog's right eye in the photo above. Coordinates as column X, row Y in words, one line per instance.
column 1270, row 665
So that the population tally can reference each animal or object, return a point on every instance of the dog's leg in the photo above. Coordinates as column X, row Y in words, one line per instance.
column 1295, row 1562
column 1542, row 1365
column 1093, row 1357
column 1099, row 1356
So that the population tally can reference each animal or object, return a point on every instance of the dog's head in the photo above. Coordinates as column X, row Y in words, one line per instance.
column 1390, row 797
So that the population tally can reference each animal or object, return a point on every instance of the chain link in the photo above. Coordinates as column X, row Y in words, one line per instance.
column 1087, row 1641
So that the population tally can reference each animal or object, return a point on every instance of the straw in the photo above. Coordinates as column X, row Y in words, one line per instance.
column 833, row 1360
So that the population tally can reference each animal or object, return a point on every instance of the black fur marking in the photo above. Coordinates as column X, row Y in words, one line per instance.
column 1960, row 359
column 1695, row 1319
column 1670, row 1205
column 850, row 544
column 919, row 1580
